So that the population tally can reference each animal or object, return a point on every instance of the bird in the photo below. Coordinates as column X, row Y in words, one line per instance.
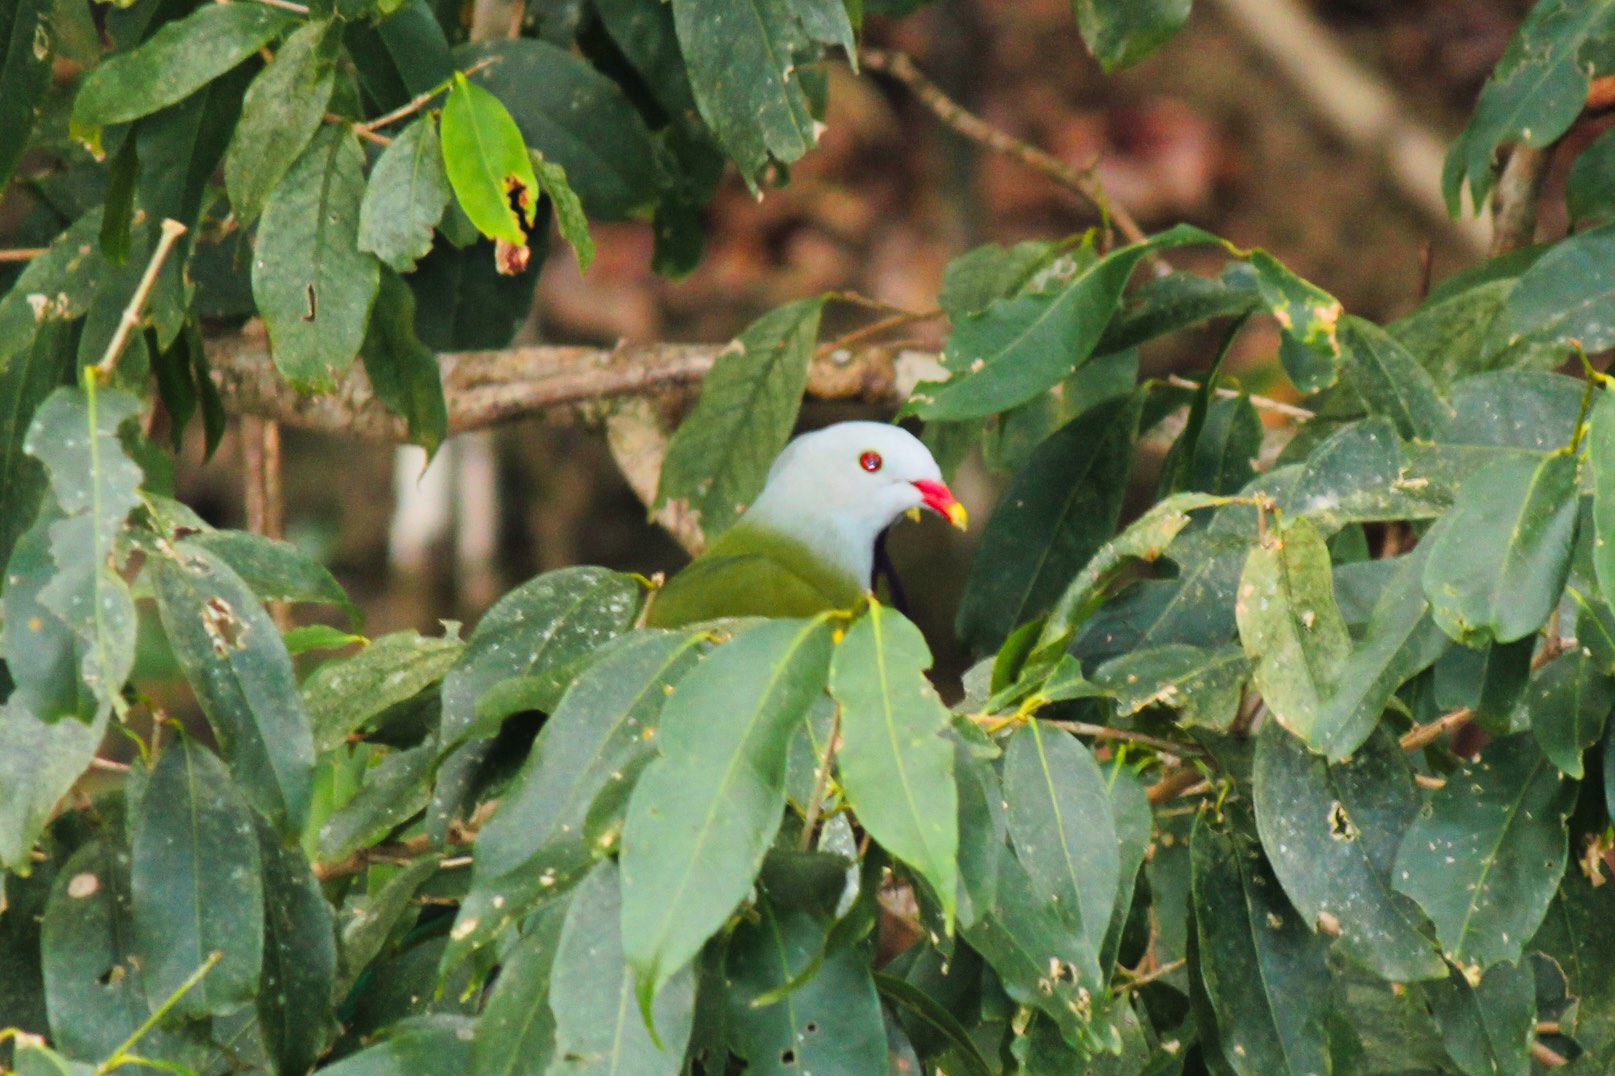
column 807, row 544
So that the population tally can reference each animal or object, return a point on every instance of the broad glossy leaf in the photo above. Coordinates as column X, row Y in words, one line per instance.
column 75, row 435
column 1390, row 381
column 1061, row 825
column 275, row 570
column 283, row 108
column 1487, row 1027
column 516, row 1033
column 720, row 455
column 1361, row 473
column 598, row 1029
column 980, row 277
column 1449, row 330
column 1601, row 457
column 1331, row 831
column 1565, row 296
column 1291, row 627
column 577, row 117
column 1499, row 558
column 831, row 1023
column 487, row 164
column 39, row 763
column 597, row 740
column 1486, row 859
column 299, row 967
column 1056, row 514
column 394, row 790
column 895, row 762
column 405, row 198
column 176, row 61
column 1120, row 34
column 27, row 44
column 196, row 882
column 403, row 371
column 1016, row 348
column 1536, row 91
column 343, row 695
column 237, row 664
column 704, row 813
column 1263, row 968
column 424, row 1044
column 1567, row 704
column 1590, row 187
column 1203, row 685
column 43, row 655
column 312, row 283
column 1576, row 934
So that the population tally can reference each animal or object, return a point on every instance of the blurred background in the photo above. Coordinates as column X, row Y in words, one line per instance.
column 1269, row 143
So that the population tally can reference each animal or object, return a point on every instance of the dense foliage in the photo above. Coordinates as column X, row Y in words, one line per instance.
column 692, row 864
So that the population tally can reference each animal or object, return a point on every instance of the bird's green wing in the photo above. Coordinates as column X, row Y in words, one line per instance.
column 751, row 574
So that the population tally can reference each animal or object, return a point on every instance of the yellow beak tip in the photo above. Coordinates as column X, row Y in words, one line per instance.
column 958, row 516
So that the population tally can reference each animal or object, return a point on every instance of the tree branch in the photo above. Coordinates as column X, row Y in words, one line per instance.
column 1514, row 201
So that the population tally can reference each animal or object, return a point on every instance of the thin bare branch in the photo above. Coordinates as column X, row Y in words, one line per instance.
column 1105, row 732
column 21, row 254
column 1420, row 735
column 1261, row 403
column 172, row 230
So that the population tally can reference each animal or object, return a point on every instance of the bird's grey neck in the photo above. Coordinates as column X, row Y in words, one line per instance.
column 844, row 543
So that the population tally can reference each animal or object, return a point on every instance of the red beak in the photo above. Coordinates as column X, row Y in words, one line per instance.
column 940, row 499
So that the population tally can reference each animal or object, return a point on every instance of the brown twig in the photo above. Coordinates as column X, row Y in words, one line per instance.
column 1546, row 1055
column 1514, row 202
column 901, row 67
column 1168, row 787
column 876, row 328
column 1149, row 977
column 416, row 103
column 21, row 254
column 284, row 5
column 821, row 782
column 265, row 508
column 1420, row 735
column 1105, row 732
column 171, row 231
column 1261, row 403
column 359, row 129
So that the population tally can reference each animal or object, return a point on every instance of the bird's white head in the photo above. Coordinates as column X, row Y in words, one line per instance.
column 837, row 488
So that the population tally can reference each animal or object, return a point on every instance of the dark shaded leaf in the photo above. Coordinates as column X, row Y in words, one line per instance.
column 1565, row 296
column 342, row 696
column 516, row 1033
column 1121, row 34
column 27, row 42
column 282, row 109
column 403, row 371
column 1390, row 382
column 1487, row 1027
column 299, row 968
column 275, row 570
column 1567, row 705
column 1203, row 685
column 405, row 198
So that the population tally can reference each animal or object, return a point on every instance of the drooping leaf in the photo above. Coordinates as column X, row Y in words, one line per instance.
column 1060, row 509
column 312, row 284
column 720, row 455
column 895, row 763
column 598, row 1029
column 403, row 371
column 342, row 696
column 275, row 570
column 1499, row 558
column 176, row 61
column 282, row 109
column 1331, row 831
column 405, row 198
column 27, row 45
column 196, row 882
column 569, row 218
column 1567, row 704
column 39, row 763
column 1263, row 969
column 1309, row 318
column 299, row 965
column 26, row 380
column 1121, row 34
column 705, row 811
column 1291, row 626
column 1390, row 381
column 1203, row 685
column 1485, row 862
column 487, row 164
column 238, row 667
column 1487, row 1027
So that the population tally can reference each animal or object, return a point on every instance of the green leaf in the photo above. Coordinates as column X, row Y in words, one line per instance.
column 577, row 118
column 901, row 993
column 237, row 664
column 27, row 42
column 744, row 60
column 1519, row 409
column 1576, row 934
column 1563, row 297
column 569, row 218
column 1567, row 705
column 276, row 570
column 67, row 275
column 516, row 1033
column 1292, row 628
column 1331, row 831
column 1018, row 347
column 34, row 1058
column 395, row 790
column 1176, row 301
column 284, row 106
column 299, row 967
column 1309, row 318
column 196, row 884
column 1499, row 559
column 1448, row 332
column 1222, row 459
column 1601, row 457
column 26, row 380
column 704, row 813
column 1060, row 509
column 43, row 654
column 591, row 992
column 403, row 371
column 597, row 740
column 75, row 435
column 427, row 1044
column 310, row 637
column 1485, row 860
column 895, row 762
column 980, row 277
column 1263, row 968
column 40, row 762
column 1203, row 685
column 1120, row 33
column 1487, row 1027
column 312, row 284
column 1533, row 95
column 1135, row 830
column 487, row 163
column 1061, row 825
column 1590, row 187
column 381, row 915
column 831, row 1023
column 719, row 456
column 405, row 198
column 179, row 59
column 1390, row 381
column 343, row 695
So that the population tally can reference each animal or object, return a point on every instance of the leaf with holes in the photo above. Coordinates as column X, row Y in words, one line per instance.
column 487, row 163
column 1203, row 685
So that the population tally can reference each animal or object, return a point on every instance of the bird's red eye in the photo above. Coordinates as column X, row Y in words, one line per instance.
column 870, row 461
